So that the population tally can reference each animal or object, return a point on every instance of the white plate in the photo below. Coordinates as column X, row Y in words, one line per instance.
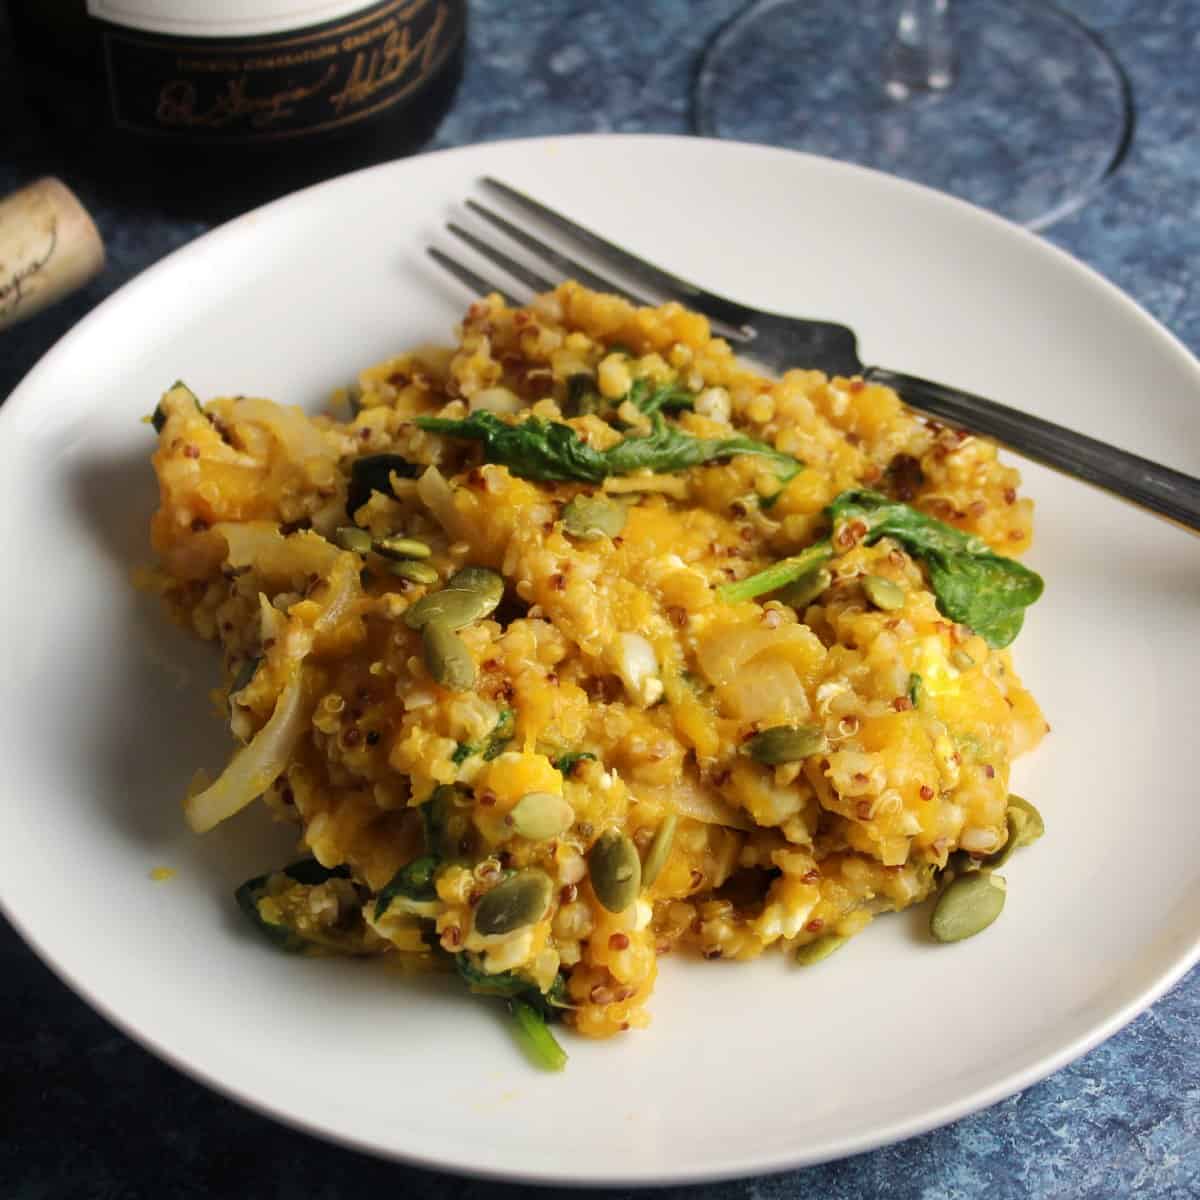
column 746, row 1068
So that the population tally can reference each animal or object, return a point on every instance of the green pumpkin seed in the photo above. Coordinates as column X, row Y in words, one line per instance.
column 819, row 948
column 999, row 857
column 414, row 572
column 1025, row 826
column 519, row 901
column 883, row 593
column 351, row 538
column 488, row 584
column 541, row 816
column 960, row 659
column 452, row 606
column 402, row 547
column 591, row 518
column 1030, row 820
column 786, row 743
column 616, row 870
column 447, row 657
column 659, row 849
column 800, row 593
column 967, row 906
column 959, row 863
column 447, row 821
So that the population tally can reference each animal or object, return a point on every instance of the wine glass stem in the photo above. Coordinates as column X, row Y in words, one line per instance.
column 920, row 57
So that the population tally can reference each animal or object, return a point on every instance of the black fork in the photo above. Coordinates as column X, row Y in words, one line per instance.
column 780, row 342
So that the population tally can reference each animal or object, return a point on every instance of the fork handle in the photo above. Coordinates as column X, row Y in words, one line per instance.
column 1162, row 490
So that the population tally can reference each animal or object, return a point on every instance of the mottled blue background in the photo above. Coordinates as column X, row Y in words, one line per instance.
column 84, row 1112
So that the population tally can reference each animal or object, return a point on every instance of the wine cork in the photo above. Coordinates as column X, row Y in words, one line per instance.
column 49, row 246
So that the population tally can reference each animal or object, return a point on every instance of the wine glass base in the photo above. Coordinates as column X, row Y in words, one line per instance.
column 1034, row 115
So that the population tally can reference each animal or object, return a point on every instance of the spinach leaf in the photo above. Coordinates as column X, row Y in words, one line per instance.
column 534, row 449
column 667, row 397
column 972, row 584
column 509, row 984
column 535, row 1038
column 566, row 762
column 493, row 745
column 449, row 834
column 531, row 1009
column 506, row 984
column 414, row 881
column 308, row 872
column 583, row 397
column 780, row 574
column 667, row 448
column 158, row 418
column 766, row 503
column 552, row 451
column 501, row 735
column 374, row 474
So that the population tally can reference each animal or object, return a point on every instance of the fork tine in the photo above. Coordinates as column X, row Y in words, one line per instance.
column 517, row 270
column 476, row 283
column 570, row 268
column 716, row 307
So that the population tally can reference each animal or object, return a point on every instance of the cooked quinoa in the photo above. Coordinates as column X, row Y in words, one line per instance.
column 589, row 737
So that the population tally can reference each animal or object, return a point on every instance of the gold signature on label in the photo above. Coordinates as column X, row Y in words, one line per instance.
column 383, row 56
column 13, row 290
column 177, row 103
column 384, row 65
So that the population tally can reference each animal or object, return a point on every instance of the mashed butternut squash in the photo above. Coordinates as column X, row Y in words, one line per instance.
column 594, row 479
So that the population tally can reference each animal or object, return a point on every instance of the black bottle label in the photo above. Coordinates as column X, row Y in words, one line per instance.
column 279, row 86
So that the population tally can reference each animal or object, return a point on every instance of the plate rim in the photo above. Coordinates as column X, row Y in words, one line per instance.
column 746, row 1165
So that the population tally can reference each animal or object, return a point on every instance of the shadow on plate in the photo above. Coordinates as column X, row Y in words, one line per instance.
column 157, row 725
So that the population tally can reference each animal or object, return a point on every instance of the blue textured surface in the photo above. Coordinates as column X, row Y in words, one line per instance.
column 1035, row 117
column 84, row 1112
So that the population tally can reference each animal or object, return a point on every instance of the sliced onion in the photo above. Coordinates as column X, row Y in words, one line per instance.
column 732, row 655
column 300, row 438
column 438, row 496
column 768, row 690
column 647, row 481
column 497, row 400
column 344, row 589
column 277, row 559
column 255, row 767
column 690, row 798
column 724, row 655
column 272, row 624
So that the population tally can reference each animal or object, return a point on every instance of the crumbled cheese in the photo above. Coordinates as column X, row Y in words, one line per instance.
column 509, row 952
column 938, row 677
column 714, row 403
column 638, row 668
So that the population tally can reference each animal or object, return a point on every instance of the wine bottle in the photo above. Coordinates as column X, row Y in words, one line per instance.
column 211, row 106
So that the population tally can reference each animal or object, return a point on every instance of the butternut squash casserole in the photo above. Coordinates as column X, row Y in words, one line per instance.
column 580, row 643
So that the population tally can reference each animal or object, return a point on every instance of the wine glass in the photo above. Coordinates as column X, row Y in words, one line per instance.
column 1014, row 105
